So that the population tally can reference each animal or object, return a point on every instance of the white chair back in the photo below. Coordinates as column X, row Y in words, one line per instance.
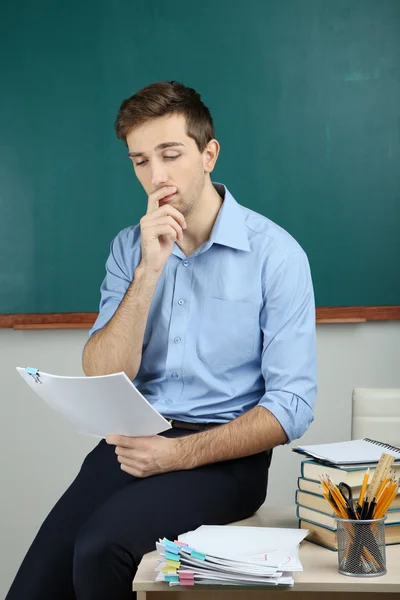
column 376, row 415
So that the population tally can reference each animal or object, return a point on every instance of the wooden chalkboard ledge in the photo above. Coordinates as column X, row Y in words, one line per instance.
column 328, row 314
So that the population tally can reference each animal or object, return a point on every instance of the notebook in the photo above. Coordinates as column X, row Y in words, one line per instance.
column 353, row 452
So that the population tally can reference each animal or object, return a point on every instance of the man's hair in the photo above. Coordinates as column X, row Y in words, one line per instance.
column 166, row 98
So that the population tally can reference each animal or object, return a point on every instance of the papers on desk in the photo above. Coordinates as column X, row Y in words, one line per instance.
column 97, row 406
column 231, row 555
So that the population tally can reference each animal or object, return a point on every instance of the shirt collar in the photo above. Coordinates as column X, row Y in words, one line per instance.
column 229, row 227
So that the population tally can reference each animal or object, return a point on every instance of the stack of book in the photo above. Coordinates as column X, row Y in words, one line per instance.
column 313, row 510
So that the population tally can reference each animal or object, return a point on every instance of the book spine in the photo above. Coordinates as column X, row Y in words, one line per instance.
column 317, row 543
column 320, row 512
column 318, row 524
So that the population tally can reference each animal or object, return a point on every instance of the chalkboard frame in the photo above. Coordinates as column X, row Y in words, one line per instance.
column 85, row 320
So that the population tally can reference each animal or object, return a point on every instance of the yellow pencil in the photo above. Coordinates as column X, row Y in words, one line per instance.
column 385, row 503
column 363, row 488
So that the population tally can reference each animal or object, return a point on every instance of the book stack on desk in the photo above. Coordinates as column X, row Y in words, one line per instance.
column 313, row 510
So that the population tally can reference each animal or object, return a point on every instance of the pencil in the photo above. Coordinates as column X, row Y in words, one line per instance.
column 363, row 488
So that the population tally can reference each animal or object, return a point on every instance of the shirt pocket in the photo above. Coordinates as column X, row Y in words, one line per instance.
column 227, row 331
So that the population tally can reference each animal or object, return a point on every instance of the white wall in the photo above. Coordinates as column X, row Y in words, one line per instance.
column 40, row 454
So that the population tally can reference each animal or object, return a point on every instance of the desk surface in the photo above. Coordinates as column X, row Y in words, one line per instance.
column 320, row 572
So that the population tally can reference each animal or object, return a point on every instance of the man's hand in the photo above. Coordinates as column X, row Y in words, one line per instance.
column 160, row 228
column 145, row 456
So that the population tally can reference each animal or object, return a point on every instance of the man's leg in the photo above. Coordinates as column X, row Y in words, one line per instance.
column 113, row 540
column 46, row 572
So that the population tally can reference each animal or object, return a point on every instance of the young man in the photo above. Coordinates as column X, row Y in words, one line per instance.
column 208, row 307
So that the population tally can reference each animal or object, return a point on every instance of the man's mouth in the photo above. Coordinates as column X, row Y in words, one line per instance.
column 167, row 198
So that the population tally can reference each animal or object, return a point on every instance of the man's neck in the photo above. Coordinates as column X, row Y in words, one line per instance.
column 201, row 219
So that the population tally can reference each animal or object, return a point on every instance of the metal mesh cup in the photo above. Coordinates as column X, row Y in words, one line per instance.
column 361, row 547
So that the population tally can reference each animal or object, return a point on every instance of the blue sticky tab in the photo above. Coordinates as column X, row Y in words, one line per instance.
column 31, row 371
column 171, row 556
column 198, row 555
column 173, row 578
column 171, row 547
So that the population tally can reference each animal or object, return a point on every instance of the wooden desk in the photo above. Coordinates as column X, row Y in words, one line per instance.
column 320, row 579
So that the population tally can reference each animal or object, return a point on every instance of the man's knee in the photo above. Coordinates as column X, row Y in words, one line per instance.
column 97, row 559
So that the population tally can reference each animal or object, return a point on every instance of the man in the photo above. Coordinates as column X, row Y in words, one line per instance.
column 208, row 307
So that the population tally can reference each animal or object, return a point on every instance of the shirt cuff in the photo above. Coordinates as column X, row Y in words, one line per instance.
column 292, row 412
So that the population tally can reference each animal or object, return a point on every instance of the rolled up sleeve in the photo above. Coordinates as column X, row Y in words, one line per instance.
column 120, row 267
column 289, row 346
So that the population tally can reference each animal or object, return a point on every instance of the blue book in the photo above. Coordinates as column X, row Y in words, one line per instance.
column 327, row 537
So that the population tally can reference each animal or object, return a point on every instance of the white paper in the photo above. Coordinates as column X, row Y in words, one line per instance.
column 100, row 405
column 268, row 546
column 235, row 555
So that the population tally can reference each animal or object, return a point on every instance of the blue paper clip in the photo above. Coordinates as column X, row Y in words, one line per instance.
column 170, row 556
column 33, row 373
column 171, row 547
column 173, row 578
column 198, row 555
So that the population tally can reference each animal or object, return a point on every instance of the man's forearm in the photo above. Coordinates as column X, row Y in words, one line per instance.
column 118, row 346
column 253, row 432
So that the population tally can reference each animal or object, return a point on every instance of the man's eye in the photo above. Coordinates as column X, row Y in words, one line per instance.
column 172, row 157
column 143, row 162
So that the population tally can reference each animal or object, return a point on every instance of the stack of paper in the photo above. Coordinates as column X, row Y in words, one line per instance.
column 231, row 555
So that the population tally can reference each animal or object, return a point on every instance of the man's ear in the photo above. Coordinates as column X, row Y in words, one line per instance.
column 210, row 155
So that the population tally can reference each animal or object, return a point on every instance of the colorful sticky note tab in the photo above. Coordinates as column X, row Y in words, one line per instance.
column 170, row 547
column 187, row 549
column 174, row 578
column 186, row 581
column 170, row 556
column 169, row 570
column 172, row 563
column 198, row 555
column 186, row 574
column 178, row 543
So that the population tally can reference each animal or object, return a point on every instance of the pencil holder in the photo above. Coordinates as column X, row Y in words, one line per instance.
column 361, row 547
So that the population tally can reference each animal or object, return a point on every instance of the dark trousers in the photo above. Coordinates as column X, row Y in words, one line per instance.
column 90, row 545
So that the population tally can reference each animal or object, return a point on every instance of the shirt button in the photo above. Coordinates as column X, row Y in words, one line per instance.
column 177, row 340
column 185, row 263
column 180, row 302
column 175, row 375
column 168, row 401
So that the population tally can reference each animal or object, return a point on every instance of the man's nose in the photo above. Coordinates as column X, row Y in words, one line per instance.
column 159, row 176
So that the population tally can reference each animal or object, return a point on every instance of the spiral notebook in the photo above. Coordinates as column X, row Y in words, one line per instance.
column 353, row 452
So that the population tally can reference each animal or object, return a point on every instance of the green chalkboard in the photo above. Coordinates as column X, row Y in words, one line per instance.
column 305, row 95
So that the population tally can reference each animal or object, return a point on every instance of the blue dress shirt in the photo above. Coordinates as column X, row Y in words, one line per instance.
column 230, row 327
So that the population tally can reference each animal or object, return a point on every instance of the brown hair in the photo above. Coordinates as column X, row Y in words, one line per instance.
column 164, row 98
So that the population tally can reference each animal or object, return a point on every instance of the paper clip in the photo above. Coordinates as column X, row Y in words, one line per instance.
column 33, row 373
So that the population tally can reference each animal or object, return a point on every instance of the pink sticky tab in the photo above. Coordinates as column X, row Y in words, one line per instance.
column 178, row 543
column 186, row 581
column 186, row 574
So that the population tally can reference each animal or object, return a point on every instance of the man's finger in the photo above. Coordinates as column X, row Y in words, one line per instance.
column 127, row 453
column 154, row 198
column 132, row 464
column 135, row 472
